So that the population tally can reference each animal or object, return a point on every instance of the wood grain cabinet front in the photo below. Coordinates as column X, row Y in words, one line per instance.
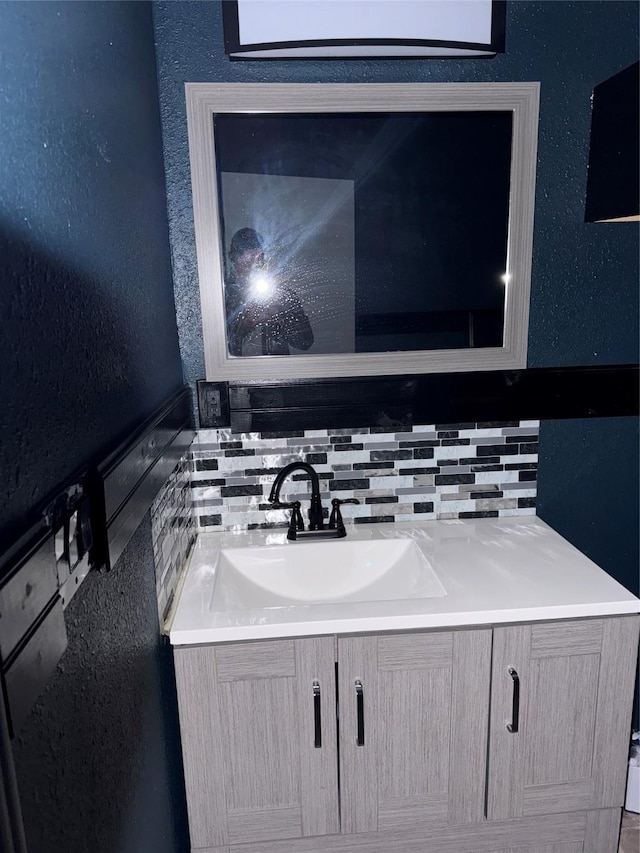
column 572, row 700
column 504, row 740
column 248, row 715
column 422, row 708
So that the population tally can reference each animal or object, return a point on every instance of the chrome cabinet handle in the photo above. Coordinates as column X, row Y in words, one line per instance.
column 317, row 741
column 515, row 709
column 360, row 713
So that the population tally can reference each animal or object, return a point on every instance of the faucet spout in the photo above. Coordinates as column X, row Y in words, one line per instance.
column 315, row 509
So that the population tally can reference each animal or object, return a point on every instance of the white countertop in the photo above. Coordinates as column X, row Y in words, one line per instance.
column 494, row 571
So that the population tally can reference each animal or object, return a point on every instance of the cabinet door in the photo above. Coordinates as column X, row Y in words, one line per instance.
column 248, row 719
column 413, row 729
column 575, row 685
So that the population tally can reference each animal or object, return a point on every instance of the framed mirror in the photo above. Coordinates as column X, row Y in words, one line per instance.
column 362, row 229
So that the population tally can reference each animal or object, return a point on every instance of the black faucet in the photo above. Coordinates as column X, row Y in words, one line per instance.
column 315, row 509
column 316, row 529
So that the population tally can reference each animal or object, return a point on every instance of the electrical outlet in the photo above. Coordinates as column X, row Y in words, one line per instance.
column 213, row 404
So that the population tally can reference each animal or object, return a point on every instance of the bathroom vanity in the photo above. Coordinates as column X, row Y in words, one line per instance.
column 484, row 705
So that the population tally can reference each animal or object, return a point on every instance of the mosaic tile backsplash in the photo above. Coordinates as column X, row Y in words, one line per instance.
column 172, row 531
column 470, row 470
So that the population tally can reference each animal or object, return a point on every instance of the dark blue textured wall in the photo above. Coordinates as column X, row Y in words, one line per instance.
column 584, row 299
column 98, row 763
column 588, row 490
column 584, row 286
column 89, row 349
column 89, row 344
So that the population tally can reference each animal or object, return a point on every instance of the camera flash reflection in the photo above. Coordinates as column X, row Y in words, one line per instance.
column 261, row 285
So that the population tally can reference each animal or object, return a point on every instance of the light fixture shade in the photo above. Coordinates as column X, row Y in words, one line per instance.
column 324, row 29
column 613, row 179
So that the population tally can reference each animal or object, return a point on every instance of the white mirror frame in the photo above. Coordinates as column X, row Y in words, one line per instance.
column 206, row 99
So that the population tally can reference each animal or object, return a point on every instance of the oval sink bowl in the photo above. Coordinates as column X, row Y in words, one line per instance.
column 323, row 572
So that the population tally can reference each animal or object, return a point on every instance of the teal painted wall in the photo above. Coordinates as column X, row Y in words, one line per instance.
column 90, row 346
column 584, row 290
column 89, row 349
column 584, row 301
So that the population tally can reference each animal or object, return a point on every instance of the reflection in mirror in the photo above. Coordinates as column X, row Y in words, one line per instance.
column 364, row 232
column 358, row 230
column 264, row 315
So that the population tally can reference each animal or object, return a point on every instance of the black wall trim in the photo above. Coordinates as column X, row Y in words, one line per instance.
column 119, row 488
column 33, row 636
column 133, row 475
column 396, row 401
column 12, row 837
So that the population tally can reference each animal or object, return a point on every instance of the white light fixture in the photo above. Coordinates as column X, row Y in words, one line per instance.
column 324, row 29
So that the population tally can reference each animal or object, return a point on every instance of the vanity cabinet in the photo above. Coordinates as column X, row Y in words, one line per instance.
column 421, row 702
column 248, row 724
column 296, row 745
column 576, row 688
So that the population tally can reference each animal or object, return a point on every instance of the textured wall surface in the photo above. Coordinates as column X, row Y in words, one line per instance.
column 584, row 281
column 89, row 345
column 89, row 348
column 584, row 295
column 590, row 475
column 93, row 757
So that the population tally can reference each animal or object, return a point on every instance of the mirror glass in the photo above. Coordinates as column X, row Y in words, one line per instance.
column 362, row 229
column 363, row 232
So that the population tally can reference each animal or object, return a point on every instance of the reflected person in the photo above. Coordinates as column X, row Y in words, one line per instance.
column 264, row 317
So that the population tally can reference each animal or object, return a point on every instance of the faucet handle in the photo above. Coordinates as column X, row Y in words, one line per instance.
column 296, row 523
column 335, row 519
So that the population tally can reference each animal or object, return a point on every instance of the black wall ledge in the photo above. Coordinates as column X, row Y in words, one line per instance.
column 401, row 401
column 129, row 479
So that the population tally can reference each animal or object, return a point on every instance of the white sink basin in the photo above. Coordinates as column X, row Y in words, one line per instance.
column 308, row 573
